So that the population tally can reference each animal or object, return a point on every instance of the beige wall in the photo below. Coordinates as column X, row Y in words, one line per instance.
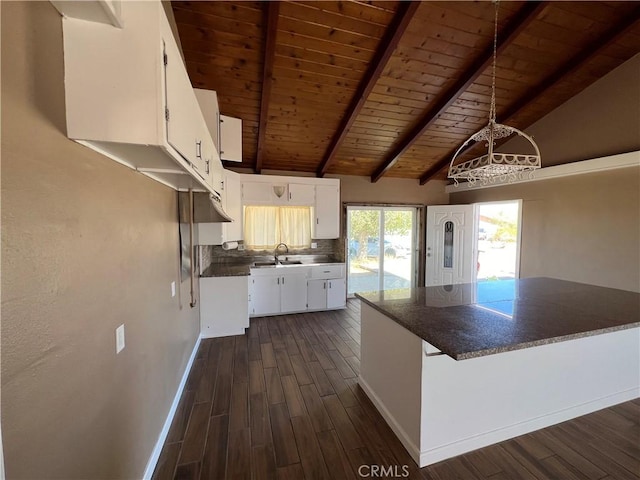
column 86, row 245
column 391, row 190
column 584, row 228
column 602, row 120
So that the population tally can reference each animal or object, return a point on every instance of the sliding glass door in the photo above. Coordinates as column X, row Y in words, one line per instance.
column 380, row 248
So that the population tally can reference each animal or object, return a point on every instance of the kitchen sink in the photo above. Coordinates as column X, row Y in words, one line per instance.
column 290, row 262
column 264, row 264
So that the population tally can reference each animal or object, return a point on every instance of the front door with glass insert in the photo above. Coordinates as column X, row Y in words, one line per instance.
column 380, row 248
column 449, row 245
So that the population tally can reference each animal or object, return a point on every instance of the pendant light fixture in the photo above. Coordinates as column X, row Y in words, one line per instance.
column 493, row 165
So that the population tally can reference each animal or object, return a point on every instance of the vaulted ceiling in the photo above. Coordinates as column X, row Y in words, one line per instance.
column 382, row 88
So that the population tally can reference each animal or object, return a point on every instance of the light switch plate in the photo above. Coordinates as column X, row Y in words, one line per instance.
column 120, row 338
column 173, row 289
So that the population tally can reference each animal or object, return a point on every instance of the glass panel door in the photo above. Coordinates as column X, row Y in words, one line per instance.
column 398, row 257
column 380, row 248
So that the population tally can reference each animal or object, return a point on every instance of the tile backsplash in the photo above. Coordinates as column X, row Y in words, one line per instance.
column 325, row 247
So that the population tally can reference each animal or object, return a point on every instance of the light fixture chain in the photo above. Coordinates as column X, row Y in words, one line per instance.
column 492, row 111
column 493, row 166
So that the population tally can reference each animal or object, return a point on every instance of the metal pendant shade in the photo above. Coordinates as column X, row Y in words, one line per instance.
column 492, row 166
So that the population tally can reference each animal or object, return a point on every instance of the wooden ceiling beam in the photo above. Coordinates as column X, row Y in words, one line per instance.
column 612, row 34
column 271, row 30
column 520, row 21
column 388, row 44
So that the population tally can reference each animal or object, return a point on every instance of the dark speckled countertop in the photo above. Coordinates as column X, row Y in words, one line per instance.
column 227, row 269
column 240, row 266
column 476, row 319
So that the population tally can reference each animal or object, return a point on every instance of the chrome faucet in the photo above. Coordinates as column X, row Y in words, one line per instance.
column 275, row 253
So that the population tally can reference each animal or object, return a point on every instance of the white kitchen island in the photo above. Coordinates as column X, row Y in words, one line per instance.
column 456, row 368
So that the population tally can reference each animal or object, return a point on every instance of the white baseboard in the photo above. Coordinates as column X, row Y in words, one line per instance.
column 223, row 333
column 413, row 449
column 424, row 458
column 155, row 454
column 489, row 438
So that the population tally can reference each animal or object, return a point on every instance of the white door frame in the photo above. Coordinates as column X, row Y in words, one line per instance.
column 474, row 243
column 475, row 233
column 381, row 229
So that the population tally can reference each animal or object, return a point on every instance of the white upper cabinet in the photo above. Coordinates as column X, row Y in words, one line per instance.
column 186, row 128
column 208, row 100
column 323, row 194
column 257, row 193
column 225, row 131
column 123, row 102
column 301, row 194
column 230, row 135
column 327, row 212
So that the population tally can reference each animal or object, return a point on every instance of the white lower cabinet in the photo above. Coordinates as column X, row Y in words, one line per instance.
column 265, row 295
column 317, row 294
column 293, row 293
column 336, row 293
column 297, row 289
column 326, row 294
column 223, row 306
column 275, row 292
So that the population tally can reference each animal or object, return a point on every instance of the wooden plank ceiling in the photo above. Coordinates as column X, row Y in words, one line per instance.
column 382, row 88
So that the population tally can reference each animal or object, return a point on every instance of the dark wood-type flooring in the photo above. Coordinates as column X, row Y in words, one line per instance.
column 283, row 402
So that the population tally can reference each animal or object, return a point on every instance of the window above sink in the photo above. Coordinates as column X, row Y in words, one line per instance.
column 267, row 226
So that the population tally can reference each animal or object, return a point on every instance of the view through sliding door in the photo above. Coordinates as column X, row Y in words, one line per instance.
column 380, row 248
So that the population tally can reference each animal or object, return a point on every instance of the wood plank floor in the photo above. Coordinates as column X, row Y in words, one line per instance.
column 282, row 402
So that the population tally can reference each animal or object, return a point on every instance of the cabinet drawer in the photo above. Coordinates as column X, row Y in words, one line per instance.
column 328, row 271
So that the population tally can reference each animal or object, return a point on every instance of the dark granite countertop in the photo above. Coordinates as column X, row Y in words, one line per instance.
column 240, row 266
column 227, row 269
column 476, row 319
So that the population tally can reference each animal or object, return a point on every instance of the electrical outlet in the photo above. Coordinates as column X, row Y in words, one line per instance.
column 173, row 289
column 120, row 338
column 314, row 245
column 240, row 247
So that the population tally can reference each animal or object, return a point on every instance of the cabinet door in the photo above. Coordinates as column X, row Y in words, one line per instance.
column 300, row 194
column 208, row 101
column 265, row 297
column 212, row 166
column 317, row 294
column 233, row 206
column 256, row 193
column 223, row 306
column 327, row 212
column 230, row 139
column 185, row 125
column 293, row 293
column 336, row 293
